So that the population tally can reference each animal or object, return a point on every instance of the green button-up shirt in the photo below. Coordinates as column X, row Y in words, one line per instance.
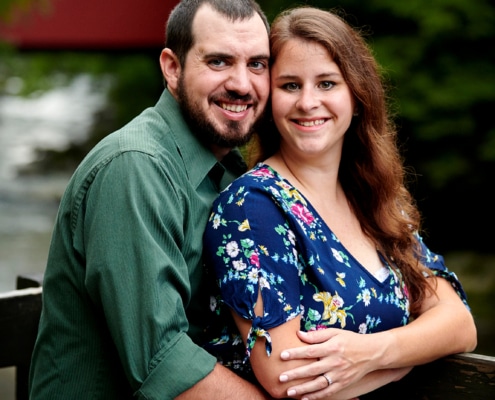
column 122, row 299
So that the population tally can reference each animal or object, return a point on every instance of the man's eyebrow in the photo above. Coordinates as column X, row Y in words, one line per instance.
column 230, row 56
column 217, row 55
column 261, row 57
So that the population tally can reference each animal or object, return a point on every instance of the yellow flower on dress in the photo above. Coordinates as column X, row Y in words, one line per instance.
column 263, row 249
column 332, row 307
column 340, row 278
column 297, row 196
column 291, row 193
column 244, row 226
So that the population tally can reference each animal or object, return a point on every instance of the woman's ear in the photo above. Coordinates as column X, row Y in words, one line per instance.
column 171, row 69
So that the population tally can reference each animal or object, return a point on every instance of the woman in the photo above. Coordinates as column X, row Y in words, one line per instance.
column 324, row 233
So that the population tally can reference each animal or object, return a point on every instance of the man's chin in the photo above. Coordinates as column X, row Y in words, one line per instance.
column 228, row 141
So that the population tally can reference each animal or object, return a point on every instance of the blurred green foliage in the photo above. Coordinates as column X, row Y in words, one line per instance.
column 10, row 9
column 438, row 58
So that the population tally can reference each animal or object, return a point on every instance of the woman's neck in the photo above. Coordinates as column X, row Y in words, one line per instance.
column 312, row 177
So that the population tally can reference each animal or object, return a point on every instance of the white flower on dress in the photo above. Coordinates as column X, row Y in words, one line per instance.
column 292, row 237
column 264, row 284
column 216, row 221
column 232, row 249
column 239, row 265
column 366, row 297
column 336, row 254
column 253, row 275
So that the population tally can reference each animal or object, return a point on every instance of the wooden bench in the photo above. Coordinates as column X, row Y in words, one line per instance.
column 20, row 312
column 464, row 376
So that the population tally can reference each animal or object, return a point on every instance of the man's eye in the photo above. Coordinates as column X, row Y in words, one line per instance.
column 258, row 65
column 216, row 63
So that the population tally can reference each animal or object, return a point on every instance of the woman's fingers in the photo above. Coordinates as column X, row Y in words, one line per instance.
column 314, row 369
column 319, row 345
column 316, row 389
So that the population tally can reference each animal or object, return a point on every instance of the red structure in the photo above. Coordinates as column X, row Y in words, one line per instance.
column 90, row 25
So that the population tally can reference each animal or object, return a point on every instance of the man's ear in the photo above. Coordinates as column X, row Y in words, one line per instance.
column 171, row 68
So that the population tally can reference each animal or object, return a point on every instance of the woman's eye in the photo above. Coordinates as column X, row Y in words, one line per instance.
column 327, row 85
column 291, row 87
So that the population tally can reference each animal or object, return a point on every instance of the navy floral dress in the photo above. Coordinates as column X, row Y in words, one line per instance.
column 263, row 236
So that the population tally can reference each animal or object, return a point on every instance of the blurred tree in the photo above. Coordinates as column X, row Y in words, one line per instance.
column 10, row 8
column 439, row 59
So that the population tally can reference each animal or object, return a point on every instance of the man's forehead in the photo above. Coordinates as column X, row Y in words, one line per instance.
column 213, row 28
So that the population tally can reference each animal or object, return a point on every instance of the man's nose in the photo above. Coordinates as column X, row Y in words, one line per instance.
column 239, row 80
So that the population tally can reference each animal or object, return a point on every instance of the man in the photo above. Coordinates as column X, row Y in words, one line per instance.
column 120, row 316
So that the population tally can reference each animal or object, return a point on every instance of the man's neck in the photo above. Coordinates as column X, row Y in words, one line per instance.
column 219, row 152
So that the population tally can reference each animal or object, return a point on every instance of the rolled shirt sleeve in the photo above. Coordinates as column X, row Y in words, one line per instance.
column 136, row 272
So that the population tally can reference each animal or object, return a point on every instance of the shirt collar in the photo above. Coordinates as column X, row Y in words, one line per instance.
column 198, row 159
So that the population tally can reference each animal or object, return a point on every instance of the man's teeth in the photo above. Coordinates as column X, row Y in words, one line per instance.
column 234, row 108
column 311, row 123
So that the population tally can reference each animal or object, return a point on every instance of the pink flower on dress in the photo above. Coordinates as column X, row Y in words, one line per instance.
column 263, row 172
column 303, row 213
column 254, row 259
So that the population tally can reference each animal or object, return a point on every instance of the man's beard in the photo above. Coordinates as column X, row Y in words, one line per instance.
column 204, row 129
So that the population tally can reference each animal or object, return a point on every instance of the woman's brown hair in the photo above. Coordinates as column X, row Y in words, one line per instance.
column 371, row 170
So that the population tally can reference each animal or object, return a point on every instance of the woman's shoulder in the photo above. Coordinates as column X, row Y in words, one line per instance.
column 260, row 176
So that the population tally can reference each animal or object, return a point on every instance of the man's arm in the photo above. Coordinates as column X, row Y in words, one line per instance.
column 223, row 384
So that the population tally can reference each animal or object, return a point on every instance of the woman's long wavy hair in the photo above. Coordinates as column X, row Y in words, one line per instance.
column 371, row 170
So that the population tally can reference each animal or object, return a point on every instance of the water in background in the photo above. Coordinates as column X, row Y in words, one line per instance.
column 29, row 203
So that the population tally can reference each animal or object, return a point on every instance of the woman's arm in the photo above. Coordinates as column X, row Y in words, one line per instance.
column 445, row 326
column 367, row 384
column 268, row 368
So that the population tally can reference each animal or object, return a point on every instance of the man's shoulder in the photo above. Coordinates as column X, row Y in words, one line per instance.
column 148, row 133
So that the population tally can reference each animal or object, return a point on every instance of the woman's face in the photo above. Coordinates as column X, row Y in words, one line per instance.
column 312, row 104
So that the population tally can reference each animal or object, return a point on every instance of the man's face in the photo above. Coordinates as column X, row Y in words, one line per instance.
column 224, row 85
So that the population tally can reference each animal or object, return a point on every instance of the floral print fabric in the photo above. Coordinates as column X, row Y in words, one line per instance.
column 263, row 236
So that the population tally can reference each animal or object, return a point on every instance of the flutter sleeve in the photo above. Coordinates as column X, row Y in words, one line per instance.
column 436, row 264
column 252, row 249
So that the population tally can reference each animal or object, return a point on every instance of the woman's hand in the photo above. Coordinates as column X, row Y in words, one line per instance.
column 344, row 357
column 347, row 358
column 367, row 384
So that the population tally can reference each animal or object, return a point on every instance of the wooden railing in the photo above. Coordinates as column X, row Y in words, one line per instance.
column 464, row 376
column 20, row 312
